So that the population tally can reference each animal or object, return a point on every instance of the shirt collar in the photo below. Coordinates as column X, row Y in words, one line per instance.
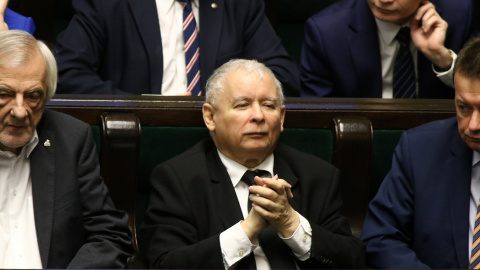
column 167, row 5
column 388, row 30
column 476, row 158
column 32, row 144
column 236, row 170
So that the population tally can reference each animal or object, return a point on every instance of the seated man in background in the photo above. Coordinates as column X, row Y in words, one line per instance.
column 389, row 49
column 55, row 211
column 10, row 20
column 204, row 217
column 167, row 47
column 424, row 214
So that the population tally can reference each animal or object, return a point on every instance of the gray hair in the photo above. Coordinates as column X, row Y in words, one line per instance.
column 18, row 47
column 215, row 84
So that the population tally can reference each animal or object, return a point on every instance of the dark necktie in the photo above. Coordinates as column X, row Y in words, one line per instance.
column 403, row 69
column 248, row 178
column 191, row 48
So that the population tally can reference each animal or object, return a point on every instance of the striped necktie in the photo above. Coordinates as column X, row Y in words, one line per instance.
column 475, row 258
column 403, row 68
column 191, row 48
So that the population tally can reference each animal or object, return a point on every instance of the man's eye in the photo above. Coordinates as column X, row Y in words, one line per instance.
column 33, row 97
column 241, row 105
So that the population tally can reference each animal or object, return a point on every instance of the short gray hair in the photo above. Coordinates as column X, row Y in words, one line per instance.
column 18, row 47
column 215, row 84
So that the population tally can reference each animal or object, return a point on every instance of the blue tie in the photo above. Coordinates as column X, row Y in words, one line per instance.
column 403, row 68
column 191, row 48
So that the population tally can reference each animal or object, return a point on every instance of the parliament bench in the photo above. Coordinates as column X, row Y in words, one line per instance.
column 135, row 133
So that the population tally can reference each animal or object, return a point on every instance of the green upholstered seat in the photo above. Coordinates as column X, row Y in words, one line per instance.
column 384, row 143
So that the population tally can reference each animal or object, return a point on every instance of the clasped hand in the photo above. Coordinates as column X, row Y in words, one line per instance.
column 270, row 207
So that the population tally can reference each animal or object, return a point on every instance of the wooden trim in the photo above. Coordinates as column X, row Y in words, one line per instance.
column 301, row 112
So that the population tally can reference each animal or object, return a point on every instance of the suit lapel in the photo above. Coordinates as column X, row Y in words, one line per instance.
column 210, row 31
column 225, row 196
column 146, row 18
column 282, row 168
column 458, row 183
column 42, row 162
column 365, row 50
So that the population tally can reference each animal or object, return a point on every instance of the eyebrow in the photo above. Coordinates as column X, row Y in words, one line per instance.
column 35, row 90
column 5, row 89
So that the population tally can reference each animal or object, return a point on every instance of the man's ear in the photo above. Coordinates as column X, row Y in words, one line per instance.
column 208, row 112
column 282, row 117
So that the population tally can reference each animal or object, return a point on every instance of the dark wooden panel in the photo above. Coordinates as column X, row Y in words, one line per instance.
column 301, row 112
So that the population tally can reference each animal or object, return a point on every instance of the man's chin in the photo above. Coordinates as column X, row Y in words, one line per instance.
column 11, row 144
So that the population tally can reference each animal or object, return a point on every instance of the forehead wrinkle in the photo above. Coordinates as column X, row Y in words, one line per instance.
column 243, row 98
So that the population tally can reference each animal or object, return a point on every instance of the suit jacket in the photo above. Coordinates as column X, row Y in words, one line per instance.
column 76, row 222
column 16, row 21
column 115, row 47
column 420, row 215
column 190, row 208
column 341, row 54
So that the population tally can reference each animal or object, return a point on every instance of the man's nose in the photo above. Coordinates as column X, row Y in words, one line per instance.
column 474, row 124
column 18, row 109
column 257, row 113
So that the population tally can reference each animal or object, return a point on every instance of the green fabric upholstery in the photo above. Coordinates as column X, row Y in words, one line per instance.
column 384, row 143
column 318, row 142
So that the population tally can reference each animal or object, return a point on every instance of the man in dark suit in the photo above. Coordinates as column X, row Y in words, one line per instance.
column 350, row 47
column 123, row 47
column 199, row 218
column 423, row 215
column 55, row 210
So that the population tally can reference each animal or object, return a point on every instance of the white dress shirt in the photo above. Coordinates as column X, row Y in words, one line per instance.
column 474, row 197
column 18, row 237
column 170, row 17
column 388, row 49
column 235, row 244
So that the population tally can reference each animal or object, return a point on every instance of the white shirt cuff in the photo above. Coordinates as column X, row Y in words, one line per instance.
column 301, row 240
column 235, row 245
column 447, row 76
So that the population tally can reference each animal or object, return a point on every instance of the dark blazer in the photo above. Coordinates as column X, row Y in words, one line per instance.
column 115, row 47
column 16, row 21
column 341, row 54
column 420, row 215
column 77, row 224
column 190, row 208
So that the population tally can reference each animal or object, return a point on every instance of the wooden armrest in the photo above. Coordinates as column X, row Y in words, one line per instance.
column 352, row 154
column 120, row 158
